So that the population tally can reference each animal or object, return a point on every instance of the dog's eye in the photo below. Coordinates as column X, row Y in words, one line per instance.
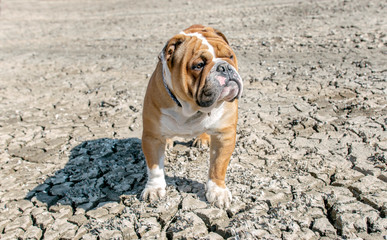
column 232, row 57
column 198, row 66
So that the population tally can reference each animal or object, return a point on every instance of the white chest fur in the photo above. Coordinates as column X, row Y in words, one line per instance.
column 174, row 123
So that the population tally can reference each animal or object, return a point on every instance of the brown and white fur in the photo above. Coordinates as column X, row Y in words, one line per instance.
column 200, row 71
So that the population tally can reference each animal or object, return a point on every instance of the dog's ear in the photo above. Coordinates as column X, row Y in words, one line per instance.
column 222, row 35
column 169, row 50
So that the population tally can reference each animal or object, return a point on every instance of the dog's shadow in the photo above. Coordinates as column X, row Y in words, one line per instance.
column 98, row 171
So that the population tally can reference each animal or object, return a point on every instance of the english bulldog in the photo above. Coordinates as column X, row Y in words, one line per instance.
column 193, row 92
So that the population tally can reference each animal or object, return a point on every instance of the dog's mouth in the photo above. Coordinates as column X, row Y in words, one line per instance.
column 231, row 91
column 222, row 84
column 228, row 92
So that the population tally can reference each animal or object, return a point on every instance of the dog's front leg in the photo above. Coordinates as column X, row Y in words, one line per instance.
column 222, row 147
column 153, row 149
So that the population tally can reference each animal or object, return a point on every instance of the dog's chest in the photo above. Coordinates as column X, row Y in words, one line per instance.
column 174, row 123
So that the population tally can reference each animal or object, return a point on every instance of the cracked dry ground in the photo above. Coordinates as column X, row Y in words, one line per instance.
column 310, row 160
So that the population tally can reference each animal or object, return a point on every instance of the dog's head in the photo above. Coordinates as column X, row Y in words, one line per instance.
column 200, row 68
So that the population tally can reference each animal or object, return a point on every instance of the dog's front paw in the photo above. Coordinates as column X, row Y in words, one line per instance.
column 153, row 193
column 202, row 141
column 220, row 197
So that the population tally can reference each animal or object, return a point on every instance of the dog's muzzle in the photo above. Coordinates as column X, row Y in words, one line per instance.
column 223, row 83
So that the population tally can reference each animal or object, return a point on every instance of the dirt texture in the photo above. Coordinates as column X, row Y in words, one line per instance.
column 310, row 158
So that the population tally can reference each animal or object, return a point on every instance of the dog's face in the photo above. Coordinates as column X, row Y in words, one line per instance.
column 203, row 68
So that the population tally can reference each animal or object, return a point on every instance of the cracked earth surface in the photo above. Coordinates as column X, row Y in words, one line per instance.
column 310, row 159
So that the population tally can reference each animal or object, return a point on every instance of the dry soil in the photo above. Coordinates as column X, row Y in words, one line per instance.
column 310, row 159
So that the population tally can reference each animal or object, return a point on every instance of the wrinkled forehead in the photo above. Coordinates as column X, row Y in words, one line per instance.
column 204, row 41
column 213, row 42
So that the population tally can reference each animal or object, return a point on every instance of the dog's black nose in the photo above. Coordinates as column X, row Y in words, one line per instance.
column 223, row 67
